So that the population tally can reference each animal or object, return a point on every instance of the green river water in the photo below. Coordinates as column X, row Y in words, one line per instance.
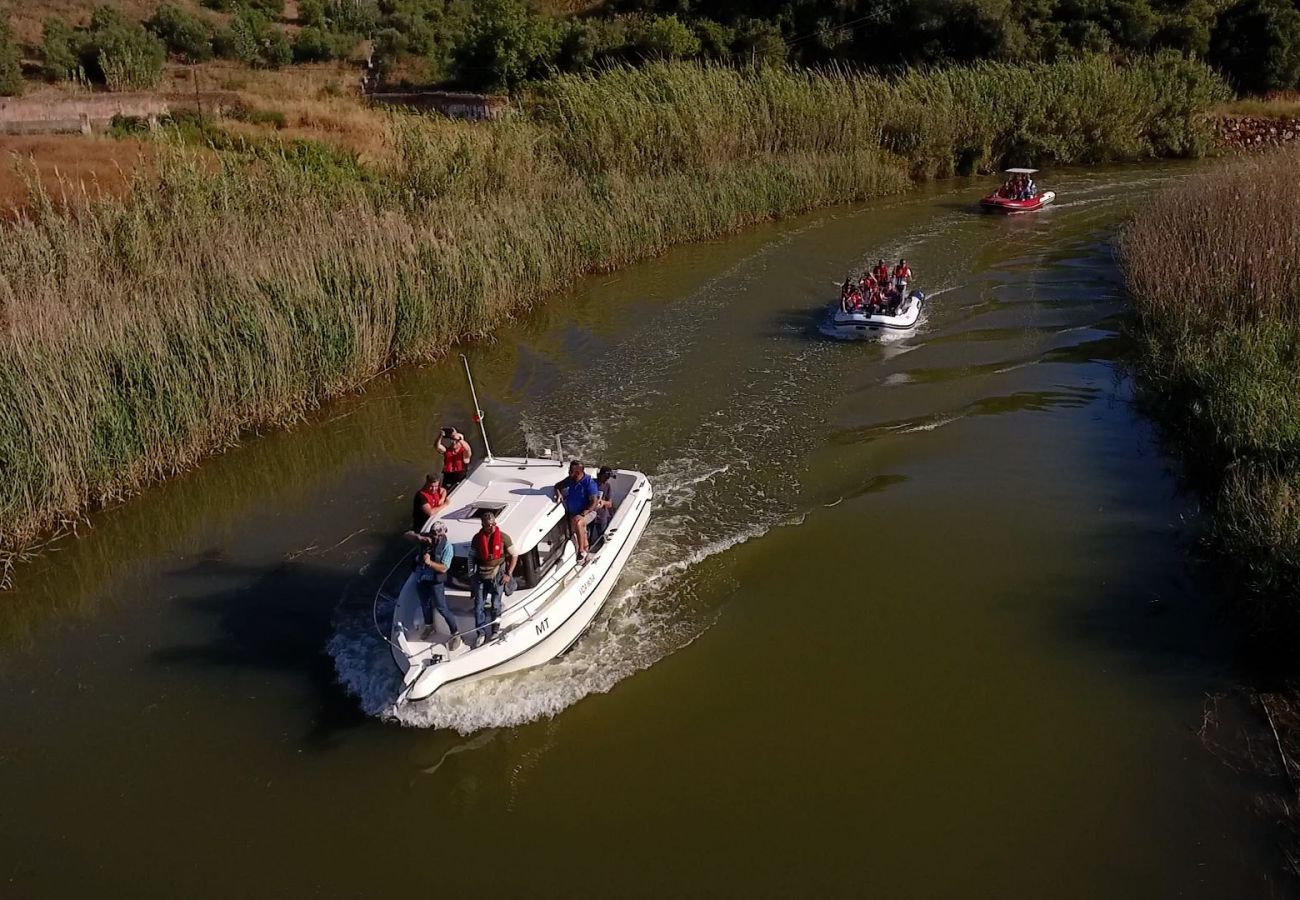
column 913, row 619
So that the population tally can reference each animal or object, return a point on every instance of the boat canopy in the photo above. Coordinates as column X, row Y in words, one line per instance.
column 1020, row 171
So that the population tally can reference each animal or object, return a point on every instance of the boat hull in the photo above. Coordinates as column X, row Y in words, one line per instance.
column 995, row 203
column 860, row 326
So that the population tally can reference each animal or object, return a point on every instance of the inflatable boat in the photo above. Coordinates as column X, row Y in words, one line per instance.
column 859, row 324
column 998, row 201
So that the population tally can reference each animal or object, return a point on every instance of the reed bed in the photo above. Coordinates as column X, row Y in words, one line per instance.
column 1213, row 264
column 137, row 336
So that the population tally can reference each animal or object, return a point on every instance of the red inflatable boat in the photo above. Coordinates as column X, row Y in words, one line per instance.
column 1003, row 198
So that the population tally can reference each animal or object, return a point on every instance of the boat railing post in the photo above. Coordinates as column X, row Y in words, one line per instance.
column 559, row 451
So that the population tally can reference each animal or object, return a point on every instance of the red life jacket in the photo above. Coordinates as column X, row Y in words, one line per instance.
column 881, row 273
column 489, row 547
column 423, row 496
column 453, row 459
column 903, row 272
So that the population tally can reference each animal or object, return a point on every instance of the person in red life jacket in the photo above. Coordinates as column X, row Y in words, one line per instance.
column 427, row 501
column 881, row 273
column 581, row 495
column 455, row 457
column 902, row 275
column 492, row 564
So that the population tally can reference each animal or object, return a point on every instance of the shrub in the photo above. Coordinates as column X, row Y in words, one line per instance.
column 664, row 37
column 185, row 35
column 251, row 39
column 11, row 68
column 311, row 44
column 505, row 44
column 120, row 53
column 60, row 50
column 759, row 42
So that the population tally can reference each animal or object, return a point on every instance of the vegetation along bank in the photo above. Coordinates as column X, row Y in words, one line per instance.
column 1213, row 263
column 246, row 281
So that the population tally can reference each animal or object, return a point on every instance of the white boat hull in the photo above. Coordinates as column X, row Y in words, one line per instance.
column 861, row 326
column 534, row 630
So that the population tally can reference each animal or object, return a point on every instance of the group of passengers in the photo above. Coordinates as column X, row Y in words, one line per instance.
column 1018, row 187
column 588, row 507
column 878, row 290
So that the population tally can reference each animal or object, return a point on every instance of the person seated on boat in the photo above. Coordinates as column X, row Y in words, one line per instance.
column 492, row 562
column 427, row 501
column 431, row 581
column 580, row 494
column 1031, row 189
column 604, row 506
column 880, row 272
column 889, row 302
column 455, row 457
column 902, row 275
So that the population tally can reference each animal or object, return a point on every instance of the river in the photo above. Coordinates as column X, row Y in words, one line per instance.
column 920, row 618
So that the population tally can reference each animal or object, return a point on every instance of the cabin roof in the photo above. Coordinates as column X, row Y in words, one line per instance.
column 1020, row 171
column 518, row 489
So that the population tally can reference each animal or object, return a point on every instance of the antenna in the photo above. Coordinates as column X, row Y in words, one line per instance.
column 478, row 413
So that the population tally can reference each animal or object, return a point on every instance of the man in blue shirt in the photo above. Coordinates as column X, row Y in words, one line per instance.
column 580, row 495
column 431, row 581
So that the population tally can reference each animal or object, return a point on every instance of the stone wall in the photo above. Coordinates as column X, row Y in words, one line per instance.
column 93, row 112
column 1245, row 133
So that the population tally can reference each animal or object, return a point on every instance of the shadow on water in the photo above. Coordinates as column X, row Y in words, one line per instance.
column 280, row 618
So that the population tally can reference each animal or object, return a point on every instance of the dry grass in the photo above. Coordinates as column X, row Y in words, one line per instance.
column 68, row 164
column 1283, row 108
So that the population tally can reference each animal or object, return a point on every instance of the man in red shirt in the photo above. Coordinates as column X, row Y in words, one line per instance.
column 455, row 457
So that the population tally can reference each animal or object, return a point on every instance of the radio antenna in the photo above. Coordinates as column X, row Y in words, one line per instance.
column 478, row 413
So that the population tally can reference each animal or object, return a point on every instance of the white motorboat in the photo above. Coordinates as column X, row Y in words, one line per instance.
column 862, row 323
column 557, row 597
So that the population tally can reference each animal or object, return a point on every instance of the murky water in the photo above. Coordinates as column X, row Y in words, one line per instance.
column 913, row 619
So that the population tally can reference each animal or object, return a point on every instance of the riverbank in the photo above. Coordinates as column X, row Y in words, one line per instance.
column 1213, row 266
column 140, row 335
column 1221, row 371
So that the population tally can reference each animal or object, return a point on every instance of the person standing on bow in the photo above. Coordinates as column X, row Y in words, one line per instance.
column 455, row 457
column 491, row 553
column 580, row 495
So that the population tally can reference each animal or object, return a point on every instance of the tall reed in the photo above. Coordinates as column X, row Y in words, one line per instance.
column 1213, row 265
column 137, row 336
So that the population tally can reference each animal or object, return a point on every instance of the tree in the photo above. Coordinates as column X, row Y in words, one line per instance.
column 11, row 67
column 1257, row 45
column 664, row 37
column 60, row 50
column 504, row 45
column 186, row 35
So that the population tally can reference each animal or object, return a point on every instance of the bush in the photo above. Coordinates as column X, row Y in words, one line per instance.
column 60, row 50
column 120, row 53
column 1257, row 45
column 271, row 8
column 759, row 42
column 664, row 37
column 251, row 39
column 11, row 68
column 185, row 35
column 311, row 44
column 505, row 44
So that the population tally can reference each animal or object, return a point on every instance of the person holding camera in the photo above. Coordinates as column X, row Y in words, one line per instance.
column 455, row 457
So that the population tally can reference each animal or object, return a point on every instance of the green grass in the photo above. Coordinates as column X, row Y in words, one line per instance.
column 138, row 336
